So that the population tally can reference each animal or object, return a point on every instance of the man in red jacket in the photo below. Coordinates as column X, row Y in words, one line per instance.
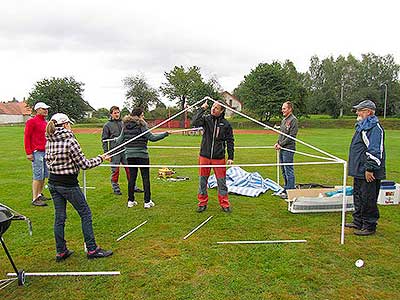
column 35, row 144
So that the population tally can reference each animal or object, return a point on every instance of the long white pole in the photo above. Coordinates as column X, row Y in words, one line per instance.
column 154, row 127
column 187, row 129
column 344, row 203
column 197, row 147
column 221, row 166
column 130, row 231
column 277, row 168
column 264, row 242
column 69, row 273
column 273, row 129
column 194, row 230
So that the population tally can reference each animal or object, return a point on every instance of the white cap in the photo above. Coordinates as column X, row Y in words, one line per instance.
column 60, row 118
column 41, row 105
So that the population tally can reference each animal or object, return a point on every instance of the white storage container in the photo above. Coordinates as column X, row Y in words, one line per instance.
column 389, row 196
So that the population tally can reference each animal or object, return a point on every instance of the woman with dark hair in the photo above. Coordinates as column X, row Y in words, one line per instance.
column 64, row 159
column 137, row 154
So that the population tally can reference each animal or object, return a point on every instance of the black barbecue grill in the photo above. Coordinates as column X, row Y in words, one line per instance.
column 6, row 216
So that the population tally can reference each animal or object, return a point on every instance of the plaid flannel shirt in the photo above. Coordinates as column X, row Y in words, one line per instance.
column 64, row 155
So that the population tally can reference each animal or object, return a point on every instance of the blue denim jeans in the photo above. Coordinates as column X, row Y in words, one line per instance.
column 60, row 195
column 39, row 167
column 287, row 171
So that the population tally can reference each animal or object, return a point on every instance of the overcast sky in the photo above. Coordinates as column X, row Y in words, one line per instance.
column 101, row 42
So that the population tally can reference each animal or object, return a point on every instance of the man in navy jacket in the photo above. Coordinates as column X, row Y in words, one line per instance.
column 367, row 166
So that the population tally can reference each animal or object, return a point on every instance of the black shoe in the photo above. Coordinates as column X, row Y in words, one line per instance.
column 63, row 256
column 43, row 198
column 117, row 192
column 137, row 190
column 38, row 202
column 352, row 225
column 202, row 208
column 364, row 232
column 226, row 209
column 99, row 253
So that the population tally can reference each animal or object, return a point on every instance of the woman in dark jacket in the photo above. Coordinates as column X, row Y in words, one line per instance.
column 64, row 159
column 137, row 154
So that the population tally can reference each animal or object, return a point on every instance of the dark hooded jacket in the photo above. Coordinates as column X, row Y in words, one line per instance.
column 112, row 129
column 367, row 149
column 132, row 127
column 217, row 135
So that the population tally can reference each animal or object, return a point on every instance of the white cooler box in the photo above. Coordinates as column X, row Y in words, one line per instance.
column 389, row 196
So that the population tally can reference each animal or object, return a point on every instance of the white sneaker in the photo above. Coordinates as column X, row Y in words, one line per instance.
column 149, row 204
column 131, row 203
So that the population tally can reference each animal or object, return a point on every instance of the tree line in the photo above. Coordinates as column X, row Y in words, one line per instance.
column 330, row 86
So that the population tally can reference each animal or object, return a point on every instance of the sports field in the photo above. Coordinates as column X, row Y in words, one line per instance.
column 156, row 263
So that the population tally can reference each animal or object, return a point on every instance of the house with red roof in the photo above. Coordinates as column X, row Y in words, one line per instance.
column 14, row 112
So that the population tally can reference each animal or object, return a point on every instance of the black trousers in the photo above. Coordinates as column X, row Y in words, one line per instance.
column 365, row 195
column 145, row 172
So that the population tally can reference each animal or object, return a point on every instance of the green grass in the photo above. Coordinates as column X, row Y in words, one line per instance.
column 156, row 263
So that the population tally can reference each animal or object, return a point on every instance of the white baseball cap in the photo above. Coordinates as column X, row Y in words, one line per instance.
column 41, row 105
column 60, row 118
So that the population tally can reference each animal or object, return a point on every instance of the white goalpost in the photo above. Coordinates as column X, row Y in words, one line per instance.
column 327, row 159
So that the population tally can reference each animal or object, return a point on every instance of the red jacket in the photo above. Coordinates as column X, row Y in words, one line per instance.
column 35, row 134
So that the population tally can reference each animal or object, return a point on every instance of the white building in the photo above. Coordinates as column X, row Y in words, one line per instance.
column 14, row 112
column 233, row 102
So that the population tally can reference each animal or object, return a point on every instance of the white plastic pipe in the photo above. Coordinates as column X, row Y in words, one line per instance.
column 273, row 129
column 184, row 130
column 344, row 204
column 130, row 231
column 154, row 127
column 106, row 273
column 197, row 147
column 222, row 166
column 194, row 230
column 264, row 242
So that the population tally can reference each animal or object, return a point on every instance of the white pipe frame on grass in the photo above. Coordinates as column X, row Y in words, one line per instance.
column 106, row 273
column 154, row 127
column 130, row 231
column 171, row 131
column 334, row 159
column 264, row 242
column 194, row 230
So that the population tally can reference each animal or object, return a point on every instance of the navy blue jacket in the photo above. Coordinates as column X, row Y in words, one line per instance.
column 367, row 149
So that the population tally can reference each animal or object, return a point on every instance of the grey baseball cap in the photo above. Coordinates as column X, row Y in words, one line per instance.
column 365, row 104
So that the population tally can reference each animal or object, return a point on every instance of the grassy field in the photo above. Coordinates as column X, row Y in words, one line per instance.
column 156, row 263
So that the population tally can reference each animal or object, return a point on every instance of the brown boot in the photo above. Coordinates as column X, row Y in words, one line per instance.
column 38, row 202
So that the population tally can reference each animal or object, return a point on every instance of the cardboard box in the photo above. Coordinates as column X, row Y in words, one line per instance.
column 310, row 201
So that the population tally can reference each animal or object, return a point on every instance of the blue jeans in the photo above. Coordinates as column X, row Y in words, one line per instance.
column 60, row 195
column 287, row 171
column 39, row 167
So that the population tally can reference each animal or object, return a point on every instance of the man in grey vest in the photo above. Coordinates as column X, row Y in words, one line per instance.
column 289, row 126
column 112, row 130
